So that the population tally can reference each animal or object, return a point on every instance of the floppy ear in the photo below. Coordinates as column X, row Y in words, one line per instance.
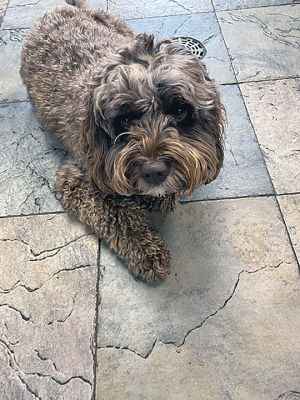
column 140, row 52
column 95, row 142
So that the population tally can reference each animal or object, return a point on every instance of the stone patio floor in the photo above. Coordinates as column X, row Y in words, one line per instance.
column 225, row 325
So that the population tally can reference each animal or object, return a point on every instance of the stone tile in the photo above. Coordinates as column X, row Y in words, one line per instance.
column 211, row 244
column 29, row 160
column 3, row 5
column 237, row 4
column 290, row 206
column 273, row 109
column 244, row 172
column 48, row 277
column 201, row 26
column 138, row 9
column 248, row 350
column 11, row 87
column 23, row 13
column 263, row 42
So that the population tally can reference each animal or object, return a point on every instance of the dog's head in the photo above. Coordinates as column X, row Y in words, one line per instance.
column 154, row 122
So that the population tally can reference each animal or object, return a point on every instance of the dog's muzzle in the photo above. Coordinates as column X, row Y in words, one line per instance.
column 155, row 172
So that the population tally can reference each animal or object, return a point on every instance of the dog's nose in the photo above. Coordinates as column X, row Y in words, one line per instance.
column 155, row 172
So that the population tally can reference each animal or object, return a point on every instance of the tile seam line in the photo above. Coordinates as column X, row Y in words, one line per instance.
column 263, row 158
column 183, row 202
column 172, row 15
column 272, row 184
column 97, row 301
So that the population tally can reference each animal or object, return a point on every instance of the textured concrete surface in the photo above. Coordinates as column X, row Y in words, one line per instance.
column 138, row 9
column 30, row 158
column 277, row 128
column 236, row 4
column 11, row 87
column 243, row 351
column 3, row 5
column 23, row 13
column 211, row 243
column 263, row 43
column 47, row 308
column 225, row 325
column 290, row 206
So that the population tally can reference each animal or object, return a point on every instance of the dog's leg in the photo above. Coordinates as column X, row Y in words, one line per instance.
column 158, row 204
column 121, row 222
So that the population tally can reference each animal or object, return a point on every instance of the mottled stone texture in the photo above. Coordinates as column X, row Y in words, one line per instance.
column 234, row 278
column 203, row 27
column 138, row 9
column 244, row 172
column 48, row 276
column 211, row 243
column 263, row 42
column 248, row 350
column 23, row 13
column 3, row 5
column 274, row 111
column 290, row 206
column 236, row 4
column 29, row 160
column 11, row 87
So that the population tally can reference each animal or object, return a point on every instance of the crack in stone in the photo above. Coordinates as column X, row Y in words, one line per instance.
column 289, row 392
column 37, row 254
column 17, row 368
column 149, row 352
column 267, row 31
column 25, row 5
column 46, row 359
column 181, row 25
column 22, row 315
column 62, row 320
column 181, row 5
column 33, row 289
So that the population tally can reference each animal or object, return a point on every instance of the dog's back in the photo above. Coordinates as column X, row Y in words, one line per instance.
column 60, row 52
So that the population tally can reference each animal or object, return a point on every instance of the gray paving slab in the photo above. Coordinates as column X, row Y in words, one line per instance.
column 274, row 111
column 290, row 206
column 203, row 27
column 237, row 4
column 23, row 13
column 138, row 9
column 11, row 87
column 211, row 242
column 3, row 5
column 30, row 158
column 244, row 172
column 48, row 276
column 263, row 43
column 223, row 325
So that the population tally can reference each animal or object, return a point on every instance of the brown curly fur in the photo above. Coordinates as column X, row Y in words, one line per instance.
column 84, row 72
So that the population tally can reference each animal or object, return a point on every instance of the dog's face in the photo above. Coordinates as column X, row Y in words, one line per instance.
column 158, row 122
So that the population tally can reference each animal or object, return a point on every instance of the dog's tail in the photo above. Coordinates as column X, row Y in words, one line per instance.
column 77, row 3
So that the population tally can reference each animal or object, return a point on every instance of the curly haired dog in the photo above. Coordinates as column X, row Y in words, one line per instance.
column 143, row 123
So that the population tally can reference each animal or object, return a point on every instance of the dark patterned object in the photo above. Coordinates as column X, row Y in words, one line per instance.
column 193, row 45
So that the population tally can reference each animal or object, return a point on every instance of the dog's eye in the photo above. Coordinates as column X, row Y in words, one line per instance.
column 179, row 112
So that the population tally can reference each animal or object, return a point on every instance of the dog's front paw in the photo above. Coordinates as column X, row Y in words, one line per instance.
column 152, row 267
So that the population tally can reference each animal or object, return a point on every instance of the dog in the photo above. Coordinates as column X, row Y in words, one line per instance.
column 141, row 119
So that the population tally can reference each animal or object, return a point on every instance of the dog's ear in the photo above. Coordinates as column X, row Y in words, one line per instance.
column 95, row 141
column 141, row 51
